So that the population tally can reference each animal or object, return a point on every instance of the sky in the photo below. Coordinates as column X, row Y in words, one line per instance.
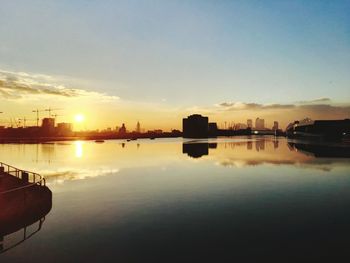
column 158, row 61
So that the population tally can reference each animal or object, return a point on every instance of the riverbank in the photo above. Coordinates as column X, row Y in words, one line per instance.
column 78, row 138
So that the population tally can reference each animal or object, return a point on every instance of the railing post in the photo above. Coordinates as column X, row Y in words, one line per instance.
column 25, row 176
column 2, row 171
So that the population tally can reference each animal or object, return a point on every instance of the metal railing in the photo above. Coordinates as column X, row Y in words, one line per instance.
column 29, row 178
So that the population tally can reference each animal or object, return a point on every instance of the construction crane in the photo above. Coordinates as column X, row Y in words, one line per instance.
column 49, row 110
column 56, row 115
column 37, row 116
column 25, row 121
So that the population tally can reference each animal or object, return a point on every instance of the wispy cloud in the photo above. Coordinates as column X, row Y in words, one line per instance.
column 20, row 85
column 319, row 106
column 318, row 100
column 231, row 106
column 322, row 108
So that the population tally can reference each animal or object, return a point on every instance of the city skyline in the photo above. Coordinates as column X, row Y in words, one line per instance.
column 174, row 131
column 174, row 59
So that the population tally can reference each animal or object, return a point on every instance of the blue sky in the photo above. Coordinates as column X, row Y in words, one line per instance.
column 184, row 53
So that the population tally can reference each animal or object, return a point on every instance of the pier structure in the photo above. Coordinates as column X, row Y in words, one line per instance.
column 25, row 201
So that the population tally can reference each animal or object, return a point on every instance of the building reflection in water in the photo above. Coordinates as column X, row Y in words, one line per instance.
column 84, row 159
column 197, row 150
column 200, row 149
column 22, row 214
column 319, row 150
column 47, row 151
column 240, row 153
column 249, row 145
column 260, row 145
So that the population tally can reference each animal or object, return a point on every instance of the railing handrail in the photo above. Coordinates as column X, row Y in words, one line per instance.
column 17, row 169
column 18, row 173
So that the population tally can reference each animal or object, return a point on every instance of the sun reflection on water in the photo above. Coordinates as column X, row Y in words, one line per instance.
column 78, row 149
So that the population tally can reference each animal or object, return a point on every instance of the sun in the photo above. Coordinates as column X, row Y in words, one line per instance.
column 79, row 117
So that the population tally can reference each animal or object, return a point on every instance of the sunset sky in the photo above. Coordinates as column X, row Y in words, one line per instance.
column 158, row 61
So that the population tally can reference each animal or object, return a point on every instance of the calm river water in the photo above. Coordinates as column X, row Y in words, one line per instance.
column 177, row 200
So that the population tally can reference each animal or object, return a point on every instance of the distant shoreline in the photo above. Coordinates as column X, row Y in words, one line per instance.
column 101, row 138
column 85, row 138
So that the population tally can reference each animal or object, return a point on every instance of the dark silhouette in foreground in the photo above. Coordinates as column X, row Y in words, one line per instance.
column 23, row 204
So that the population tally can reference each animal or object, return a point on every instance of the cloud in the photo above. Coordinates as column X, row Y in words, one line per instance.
column 231, row 106
column 20, row 85
column 310, row 109
column 318, row 100
column 326, row 110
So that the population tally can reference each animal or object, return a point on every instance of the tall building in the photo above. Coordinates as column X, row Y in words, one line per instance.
column 195, row 126
column 275, row 126
column 138, row 127
column 48, row 125
column 240, row 126
column 122, row 130
column 212, row 128
column 64, row 129
column 250, row 123
column 259, row 124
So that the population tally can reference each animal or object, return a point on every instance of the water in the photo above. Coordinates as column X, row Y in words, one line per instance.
column 239, row 199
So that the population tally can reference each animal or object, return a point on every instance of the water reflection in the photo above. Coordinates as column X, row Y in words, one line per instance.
column 184, row 200
column 47, row 150
column 259, row 151
column 77, row 160
column 260, row 145
column 317, row 150
column 197, row 150
column 78, row 149
column 60, row 176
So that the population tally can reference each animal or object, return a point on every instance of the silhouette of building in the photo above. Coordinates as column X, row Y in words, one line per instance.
column 240, row 126
column 250, row 123
column 48, row 126
column 64, row 129
column 212, row 128
column 275, row 126
column 259, row 124
column 122, row 130
column 156, row 131
column 195, row 126
column 138, row 127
